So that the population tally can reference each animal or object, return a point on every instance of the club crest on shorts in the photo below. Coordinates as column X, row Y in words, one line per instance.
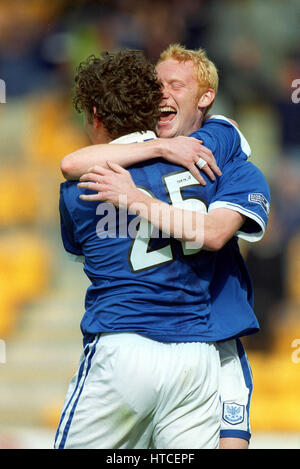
column 233, row 413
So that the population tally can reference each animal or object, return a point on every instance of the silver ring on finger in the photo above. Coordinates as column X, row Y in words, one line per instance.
column 200, row 163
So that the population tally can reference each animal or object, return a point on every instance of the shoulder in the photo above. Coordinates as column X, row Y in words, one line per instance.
column 228, row 127
column 244, row 175
column 223, row 138
column 253, row 172
column 215, row 127
column 218, row 137
column 70, row 201
column 67, row 189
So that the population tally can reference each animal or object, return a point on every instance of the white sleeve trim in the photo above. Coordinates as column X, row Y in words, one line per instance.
column 251, row 237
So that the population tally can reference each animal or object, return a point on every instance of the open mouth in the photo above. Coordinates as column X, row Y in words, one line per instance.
column 167, row 114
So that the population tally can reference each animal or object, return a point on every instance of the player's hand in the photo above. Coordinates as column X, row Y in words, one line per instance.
column 186, row 152
column 114, row 185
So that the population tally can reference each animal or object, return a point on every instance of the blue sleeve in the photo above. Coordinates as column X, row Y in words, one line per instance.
column 223, row 139
column 243, row 188
column 67, row 227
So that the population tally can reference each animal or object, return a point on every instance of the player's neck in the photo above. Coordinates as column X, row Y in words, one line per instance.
column 101, row 136
column 96, row 140
column 201, row 120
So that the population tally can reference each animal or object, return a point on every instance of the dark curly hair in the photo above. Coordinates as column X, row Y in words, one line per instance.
column 124, row 88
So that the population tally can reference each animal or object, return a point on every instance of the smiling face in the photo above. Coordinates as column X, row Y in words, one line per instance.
column 181, row 112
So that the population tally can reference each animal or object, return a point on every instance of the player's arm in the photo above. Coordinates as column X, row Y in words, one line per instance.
column 233, row 443
column 210, row 231
column 116, row 186
column 77, row 163
column 184, row 151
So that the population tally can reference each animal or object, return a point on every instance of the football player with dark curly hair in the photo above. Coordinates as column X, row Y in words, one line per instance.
column 143, row 380
column 119, row 90
column 149, row 374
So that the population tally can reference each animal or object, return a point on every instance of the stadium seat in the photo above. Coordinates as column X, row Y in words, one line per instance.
column 19, row 196
column 25, row 269
column 55, row 132
column 275, row 402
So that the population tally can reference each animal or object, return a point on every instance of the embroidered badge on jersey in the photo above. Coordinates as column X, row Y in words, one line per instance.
column 233, row 413
column 261, row 200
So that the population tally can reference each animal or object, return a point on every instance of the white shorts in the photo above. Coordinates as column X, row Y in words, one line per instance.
column 236, row 386
column 131, row 392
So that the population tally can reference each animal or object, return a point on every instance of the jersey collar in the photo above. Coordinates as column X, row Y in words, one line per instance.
column 135, row 137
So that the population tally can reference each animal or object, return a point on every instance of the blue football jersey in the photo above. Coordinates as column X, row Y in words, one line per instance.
column 232, row 295
column 152, row 284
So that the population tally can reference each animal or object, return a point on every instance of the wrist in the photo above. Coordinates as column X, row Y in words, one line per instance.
column 161, row 148
column 139, row 203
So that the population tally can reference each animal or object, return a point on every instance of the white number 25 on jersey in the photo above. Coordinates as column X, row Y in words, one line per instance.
column 140, row 257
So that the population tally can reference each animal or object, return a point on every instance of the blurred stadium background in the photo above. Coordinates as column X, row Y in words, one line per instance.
column 256, row 46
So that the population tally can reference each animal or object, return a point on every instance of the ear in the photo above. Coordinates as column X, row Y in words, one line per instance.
column 96, row 122
column 206, row 98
